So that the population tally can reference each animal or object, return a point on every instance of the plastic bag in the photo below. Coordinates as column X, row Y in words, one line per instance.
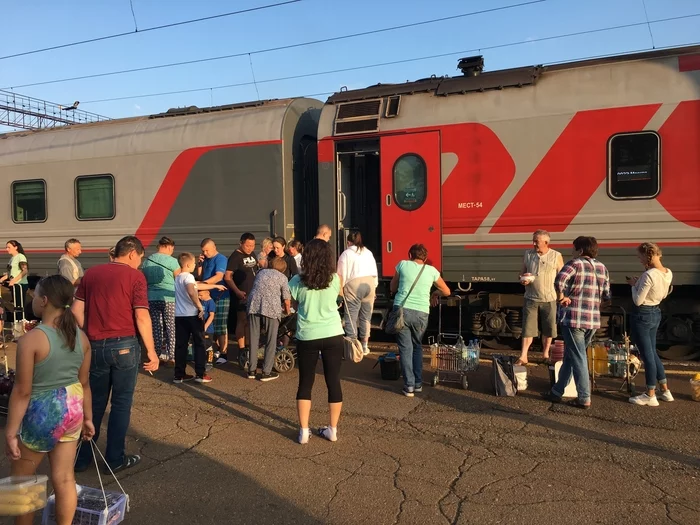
column 503, row 376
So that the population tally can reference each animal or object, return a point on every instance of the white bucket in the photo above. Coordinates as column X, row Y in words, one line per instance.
column 570, row 390
column 521, row 377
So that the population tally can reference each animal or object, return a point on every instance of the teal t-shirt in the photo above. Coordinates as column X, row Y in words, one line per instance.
column 317, row 313
column 420, row 296
column 15, row 269
column 158, row 269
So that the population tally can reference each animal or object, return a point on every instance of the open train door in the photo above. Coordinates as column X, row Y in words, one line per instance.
column 410, row 182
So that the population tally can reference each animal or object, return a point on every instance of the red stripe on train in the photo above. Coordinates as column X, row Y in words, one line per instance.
column 172, row 184
column 571, row 171
column 559, row 246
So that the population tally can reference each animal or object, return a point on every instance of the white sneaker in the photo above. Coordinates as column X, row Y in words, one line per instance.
column 221, row 361
column 645, row 400
column 365, row 351
column 665, row 395
column 304, row 435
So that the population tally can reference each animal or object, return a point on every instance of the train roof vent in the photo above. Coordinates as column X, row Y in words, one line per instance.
column 357, row 117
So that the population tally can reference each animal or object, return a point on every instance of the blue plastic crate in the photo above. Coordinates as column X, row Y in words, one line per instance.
column 90, row 509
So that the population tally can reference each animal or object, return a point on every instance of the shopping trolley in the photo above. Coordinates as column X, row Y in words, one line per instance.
column 450, row 357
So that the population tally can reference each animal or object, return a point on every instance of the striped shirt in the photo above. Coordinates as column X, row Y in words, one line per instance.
column 586, row 282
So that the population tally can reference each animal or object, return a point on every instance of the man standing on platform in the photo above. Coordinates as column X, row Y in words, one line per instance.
column 211, row 270
column 111, row 306
column 543, row 264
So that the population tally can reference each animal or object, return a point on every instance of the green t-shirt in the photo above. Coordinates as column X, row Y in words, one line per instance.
column 420, row 296
column 317, row 313
column 15, row 269
column 158, row 269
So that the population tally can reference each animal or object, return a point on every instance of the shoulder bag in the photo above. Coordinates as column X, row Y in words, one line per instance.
column 394, row 321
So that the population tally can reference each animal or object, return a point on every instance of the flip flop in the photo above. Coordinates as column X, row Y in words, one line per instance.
column 520, row 362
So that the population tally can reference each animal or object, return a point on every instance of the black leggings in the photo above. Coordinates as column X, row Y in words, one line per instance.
column 331, row 349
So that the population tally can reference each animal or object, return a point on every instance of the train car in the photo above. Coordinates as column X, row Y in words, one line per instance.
column 472, row 165
column 188, row 173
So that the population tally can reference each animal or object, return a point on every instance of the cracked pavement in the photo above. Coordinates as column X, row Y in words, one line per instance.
column 226, row 453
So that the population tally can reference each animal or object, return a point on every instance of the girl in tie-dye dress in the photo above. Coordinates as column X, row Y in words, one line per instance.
column 51, row 404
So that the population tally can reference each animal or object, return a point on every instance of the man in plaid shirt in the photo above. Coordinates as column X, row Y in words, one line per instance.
column 581, row 285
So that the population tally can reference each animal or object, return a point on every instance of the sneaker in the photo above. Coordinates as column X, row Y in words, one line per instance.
column 645, row 400
column 269, row 377
column 251, row 375
column 304, row 435
column 665, row 396
column 217, row 354
column 418, row 389
column 222, row 360
column 186, row 377
column 365, row 350
column 408, row 391
column 203, row 379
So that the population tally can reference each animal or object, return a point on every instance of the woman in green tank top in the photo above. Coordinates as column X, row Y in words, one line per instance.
column 51, row 404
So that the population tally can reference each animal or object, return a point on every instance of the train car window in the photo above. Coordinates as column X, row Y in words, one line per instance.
column 29, row 201
column 633, row 165
column 94, row 197
column 410, row 182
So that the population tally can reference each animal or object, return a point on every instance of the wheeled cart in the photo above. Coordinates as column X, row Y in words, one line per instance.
column 450, row 357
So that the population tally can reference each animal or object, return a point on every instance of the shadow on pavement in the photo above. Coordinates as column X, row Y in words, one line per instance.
column 163, row 491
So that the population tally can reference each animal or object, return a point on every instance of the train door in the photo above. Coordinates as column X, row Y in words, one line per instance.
column 410, row 186
column 359, row 193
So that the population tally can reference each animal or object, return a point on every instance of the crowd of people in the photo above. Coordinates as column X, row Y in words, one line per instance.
column 97, row 324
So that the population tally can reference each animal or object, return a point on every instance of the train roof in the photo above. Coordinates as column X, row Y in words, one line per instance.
column 171, row 113
column 174, row 130
column 493, row 80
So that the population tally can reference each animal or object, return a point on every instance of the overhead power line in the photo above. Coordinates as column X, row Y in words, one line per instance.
column 395, row 62
column 154, row 28
column 281, row 48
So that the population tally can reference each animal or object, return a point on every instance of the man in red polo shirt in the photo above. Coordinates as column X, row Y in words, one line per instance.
column 112, row 308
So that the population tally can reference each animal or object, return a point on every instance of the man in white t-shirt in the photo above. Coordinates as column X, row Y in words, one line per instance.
column 68, row 264
column 188, row 321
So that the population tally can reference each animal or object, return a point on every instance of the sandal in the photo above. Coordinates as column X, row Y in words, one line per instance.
column 551, row 397
column 520, row 362
column 577, row 404
column 129, row 461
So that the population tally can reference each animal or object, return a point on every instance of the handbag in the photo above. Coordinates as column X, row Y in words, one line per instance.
column 353, row 347
column 394, row 321
column 503, row 379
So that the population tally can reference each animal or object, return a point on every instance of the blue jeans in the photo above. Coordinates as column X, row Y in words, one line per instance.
column 113, row 370
column 645, row 323
column 410, row 348
column 575, row 363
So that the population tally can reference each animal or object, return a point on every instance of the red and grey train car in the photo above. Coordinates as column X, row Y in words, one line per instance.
column 188, row 173
column 472, row 165
column 469, row 165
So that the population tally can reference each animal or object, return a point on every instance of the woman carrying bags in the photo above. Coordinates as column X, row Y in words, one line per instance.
column 412, row 283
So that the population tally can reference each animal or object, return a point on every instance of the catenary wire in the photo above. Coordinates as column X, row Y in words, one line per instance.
column 154, row 28
column 278, row 48
column 395, row 62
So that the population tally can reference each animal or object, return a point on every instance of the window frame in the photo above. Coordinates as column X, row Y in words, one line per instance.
column 609, row 174
column 393, row 181
column 12, row 201
column 76, row 196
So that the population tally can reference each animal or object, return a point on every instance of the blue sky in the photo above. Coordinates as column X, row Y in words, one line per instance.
column 41, row 23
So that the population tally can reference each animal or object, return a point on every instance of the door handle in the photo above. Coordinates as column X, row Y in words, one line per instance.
column 388, row 199
column 388, row 246
column 344, row 206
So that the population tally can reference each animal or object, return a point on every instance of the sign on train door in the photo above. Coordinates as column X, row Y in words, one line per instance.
column 410, row 182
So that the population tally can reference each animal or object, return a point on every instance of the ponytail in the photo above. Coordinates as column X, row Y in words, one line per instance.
column 59, row 292
column 355, row 238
